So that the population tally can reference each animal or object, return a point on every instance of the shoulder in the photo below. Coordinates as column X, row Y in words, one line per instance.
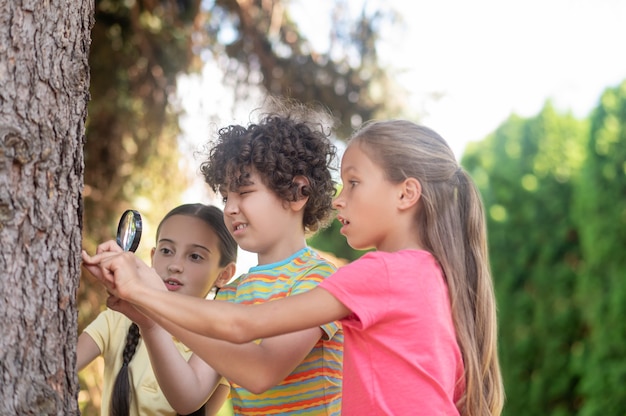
column 386, row 266
column 108, row 328
column 313, row 259
column 402, row 258
column 110, row 318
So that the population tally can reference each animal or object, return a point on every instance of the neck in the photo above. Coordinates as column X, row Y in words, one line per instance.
column 281, row 251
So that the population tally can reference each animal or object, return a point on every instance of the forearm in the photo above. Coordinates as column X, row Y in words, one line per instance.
column 185, row 388
column 131, row 280
column 254, row 366
column 176, row 312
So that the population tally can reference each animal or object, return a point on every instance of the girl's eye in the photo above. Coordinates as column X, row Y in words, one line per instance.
column 353, row 183
column 165, row 250
column 196, row 257
column 224, row 199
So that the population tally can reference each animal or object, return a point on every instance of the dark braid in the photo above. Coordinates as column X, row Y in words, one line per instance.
column 120, row 397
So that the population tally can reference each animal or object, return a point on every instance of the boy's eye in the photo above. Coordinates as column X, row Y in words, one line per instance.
column 224, row 199
column 165, row 250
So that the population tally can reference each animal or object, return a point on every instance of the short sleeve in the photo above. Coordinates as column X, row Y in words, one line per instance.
column 100, row 328
column 363, row 287
column 310, row 280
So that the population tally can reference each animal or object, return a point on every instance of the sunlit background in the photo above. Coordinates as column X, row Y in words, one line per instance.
column 531, row 95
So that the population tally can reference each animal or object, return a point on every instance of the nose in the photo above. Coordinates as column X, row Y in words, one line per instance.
column 175, row 266
column 231, row 206
column 338, row 202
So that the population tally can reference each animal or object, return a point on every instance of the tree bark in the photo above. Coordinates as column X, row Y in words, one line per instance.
column 44, row 91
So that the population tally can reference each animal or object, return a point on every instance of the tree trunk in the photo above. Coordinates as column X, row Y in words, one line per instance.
column 44, row 91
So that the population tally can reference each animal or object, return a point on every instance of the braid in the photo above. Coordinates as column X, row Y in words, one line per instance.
column 120, row 398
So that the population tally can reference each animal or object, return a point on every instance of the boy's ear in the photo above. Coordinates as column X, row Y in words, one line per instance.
column 410, row 193
column 225, row 275
column 300, row 202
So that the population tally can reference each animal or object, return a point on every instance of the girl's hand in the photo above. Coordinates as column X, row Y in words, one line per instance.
column 123, row 274
column 117, row 271
column 109, row 246
column 131, row 312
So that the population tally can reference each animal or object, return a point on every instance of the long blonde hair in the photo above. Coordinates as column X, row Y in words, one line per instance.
column 452, row 227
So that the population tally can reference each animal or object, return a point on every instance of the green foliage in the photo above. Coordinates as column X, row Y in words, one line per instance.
column 525, row 171
column 601, row 220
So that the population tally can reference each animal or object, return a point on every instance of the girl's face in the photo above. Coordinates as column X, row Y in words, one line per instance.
column 187, row 256
column 366, row 207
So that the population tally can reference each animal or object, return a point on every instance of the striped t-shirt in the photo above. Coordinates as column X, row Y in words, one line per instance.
column 314, row 387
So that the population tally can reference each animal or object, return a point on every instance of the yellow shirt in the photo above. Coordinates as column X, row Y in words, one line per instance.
column 109, row 332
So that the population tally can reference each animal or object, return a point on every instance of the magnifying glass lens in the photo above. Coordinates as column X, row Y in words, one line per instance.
column 129, row 230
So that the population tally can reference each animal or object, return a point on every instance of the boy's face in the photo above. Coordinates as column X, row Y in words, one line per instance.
column 260, row 221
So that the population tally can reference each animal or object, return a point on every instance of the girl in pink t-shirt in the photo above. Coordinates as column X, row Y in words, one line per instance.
column 419, row 313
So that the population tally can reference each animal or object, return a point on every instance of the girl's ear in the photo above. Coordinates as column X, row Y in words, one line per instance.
column 301, row 200
column 152, row 255
column 225, row 275
column 410, row 193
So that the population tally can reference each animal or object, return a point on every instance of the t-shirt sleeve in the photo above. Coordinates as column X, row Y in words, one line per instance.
column 310, row 280
column 100, row 328
column 363, row 287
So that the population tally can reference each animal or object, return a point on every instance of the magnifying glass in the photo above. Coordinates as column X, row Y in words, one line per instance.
column 129, row 230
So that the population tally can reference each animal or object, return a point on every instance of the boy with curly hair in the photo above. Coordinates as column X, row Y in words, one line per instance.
column 274, row 177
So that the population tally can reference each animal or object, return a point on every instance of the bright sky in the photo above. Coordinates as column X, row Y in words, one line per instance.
column 491, row 58
column 487, row 59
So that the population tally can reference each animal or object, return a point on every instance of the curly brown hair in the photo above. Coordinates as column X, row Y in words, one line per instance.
column 279, row 147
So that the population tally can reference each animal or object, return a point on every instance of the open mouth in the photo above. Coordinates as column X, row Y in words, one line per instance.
column 172, row 284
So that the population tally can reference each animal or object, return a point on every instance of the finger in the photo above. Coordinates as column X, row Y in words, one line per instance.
column 109, row 246
column 98, row 258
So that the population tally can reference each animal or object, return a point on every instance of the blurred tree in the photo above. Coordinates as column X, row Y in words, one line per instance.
column 131, row 152
column 601, row 220
column 44, row 75
column 264, row 46
column 138, row 50
column 525, row 171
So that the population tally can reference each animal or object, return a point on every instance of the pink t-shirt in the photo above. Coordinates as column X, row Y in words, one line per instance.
column 400, row 351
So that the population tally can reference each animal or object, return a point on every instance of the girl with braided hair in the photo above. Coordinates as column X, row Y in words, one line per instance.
column 194, row 253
